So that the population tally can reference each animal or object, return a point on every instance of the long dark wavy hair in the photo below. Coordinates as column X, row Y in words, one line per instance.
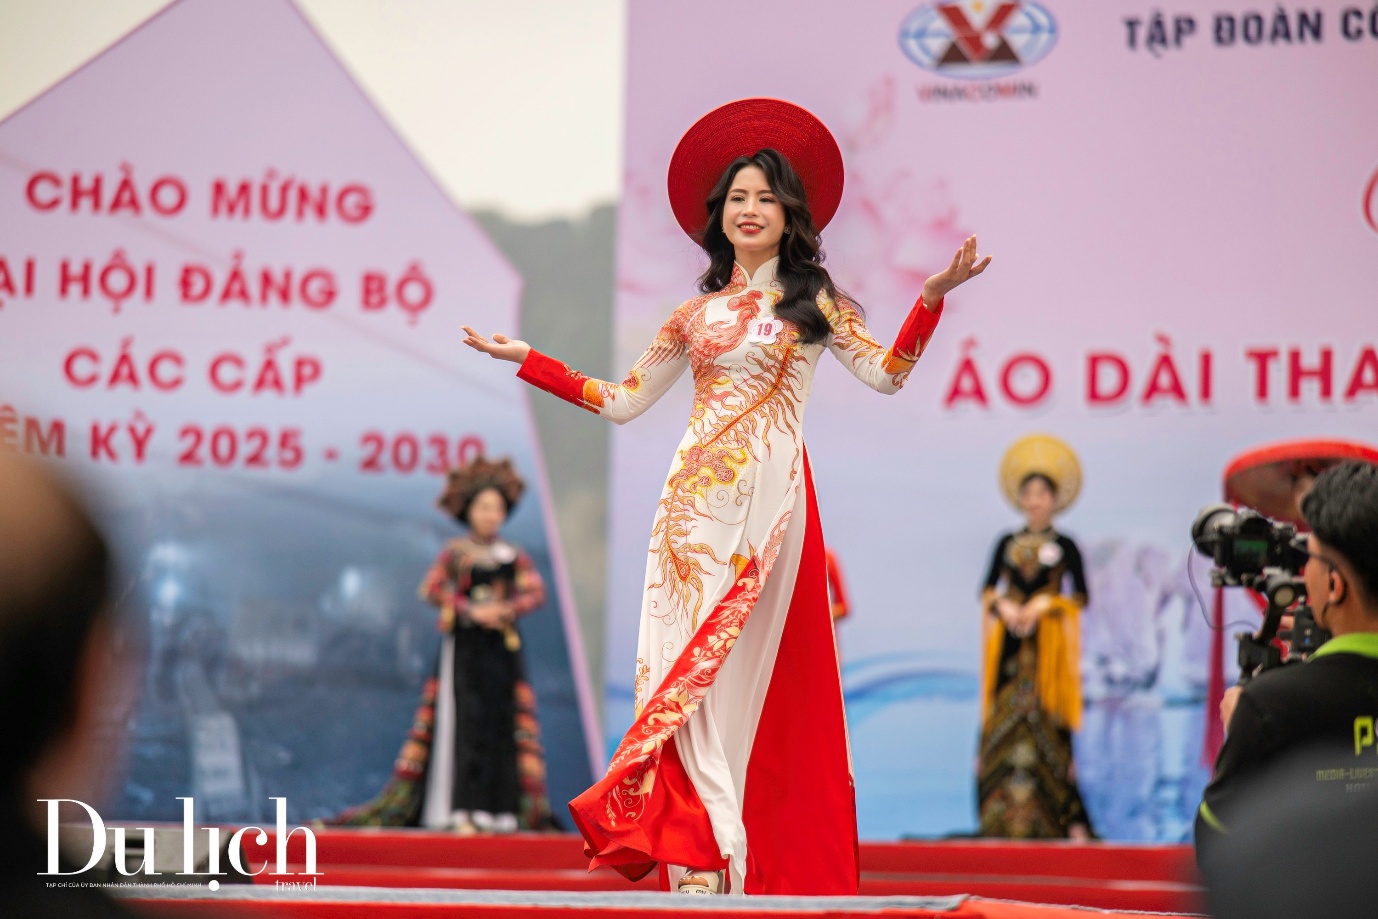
column 800, row 270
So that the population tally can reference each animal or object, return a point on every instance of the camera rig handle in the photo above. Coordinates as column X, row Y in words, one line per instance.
column 1256, row 653
column 1284, row 592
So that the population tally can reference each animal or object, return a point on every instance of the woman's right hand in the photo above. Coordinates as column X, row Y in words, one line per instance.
column 1009, row 612
column 501, row 347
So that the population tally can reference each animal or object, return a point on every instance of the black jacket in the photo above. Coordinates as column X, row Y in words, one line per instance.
column 1314, row 720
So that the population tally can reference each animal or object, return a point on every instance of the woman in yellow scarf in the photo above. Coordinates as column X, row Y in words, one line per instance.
column 1031, row 680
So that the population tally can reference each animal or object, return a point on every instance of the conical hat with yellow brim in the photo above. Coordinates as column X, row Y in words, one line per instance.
column 1041, row 454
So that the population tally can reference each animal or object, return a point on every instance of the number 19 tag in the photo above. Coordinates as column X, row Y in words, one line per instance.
column 763, row 331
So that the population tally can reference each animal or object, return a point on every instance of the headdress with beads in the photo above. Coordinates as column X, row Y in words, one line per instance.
column 464, row 483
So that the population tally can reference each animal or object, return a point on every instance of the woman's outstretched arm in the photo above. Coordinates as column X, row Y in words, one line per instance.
column 886, row 369
column 647, row 381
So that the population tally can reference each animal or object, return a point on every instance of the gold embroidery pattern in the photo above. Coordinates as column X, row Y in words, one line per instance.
column 735, row 417
column 593, row 398
column 643, row 676
column 633, row 768
column 720, row 524
column 852, row 338
column 669, row 344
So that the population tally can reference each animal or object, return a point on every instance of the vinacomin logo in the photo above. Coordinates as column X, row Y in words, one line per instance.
column 977, row 40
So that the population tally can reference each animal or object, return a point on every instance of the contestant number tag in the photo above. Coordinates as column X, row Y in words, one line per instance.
column 764, row 331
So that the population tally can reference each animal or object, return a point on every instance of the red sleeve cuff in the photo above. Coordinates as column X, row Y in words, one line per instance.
column 917, row 329
column 555, row 377
column 928, row 318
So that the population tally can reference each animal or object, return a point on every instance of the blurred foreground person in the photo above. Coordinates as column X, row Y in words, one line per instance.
column 58, row 648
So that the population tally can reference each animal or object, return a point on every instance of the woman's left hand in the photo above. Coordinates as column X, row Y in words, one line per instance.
column 1029, row 615
column 488, row 615
column 964, row 267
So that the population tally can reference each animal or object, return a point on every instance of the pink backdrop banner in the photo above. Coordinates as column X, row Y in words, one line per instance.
column 1181, row 206
column 231, row 298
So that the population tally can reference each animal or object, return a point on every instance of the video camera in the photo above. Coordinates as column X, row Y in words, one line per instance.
column 1267, row 556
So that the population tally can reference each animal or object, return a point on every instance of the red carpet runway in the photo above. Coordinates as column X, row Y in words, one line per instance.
column 393, row 874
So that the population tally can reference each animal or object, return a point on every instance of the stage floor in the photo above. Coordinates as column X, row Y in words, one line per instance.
column 261, row 902
column 380, row 874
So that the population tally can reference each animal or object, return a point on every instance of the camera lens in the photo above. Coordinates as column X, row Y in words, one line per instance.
column 1210, row 522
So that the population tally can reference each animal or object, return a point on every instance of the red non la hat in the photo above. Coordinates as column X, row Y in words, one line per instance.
column 740, row 129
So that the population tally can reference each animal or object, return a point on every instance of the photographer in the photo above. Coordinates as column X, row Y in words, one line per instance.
column 1313, row 721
